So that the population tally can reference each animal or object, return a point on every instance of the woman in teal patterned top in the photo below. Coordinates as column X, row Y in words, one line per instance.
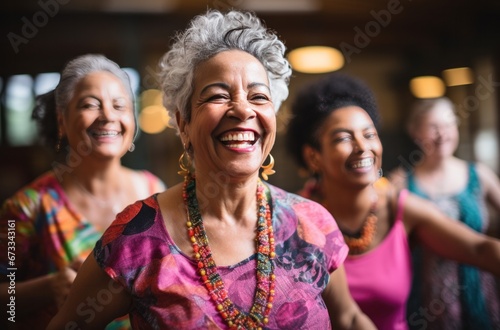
column 447, row 295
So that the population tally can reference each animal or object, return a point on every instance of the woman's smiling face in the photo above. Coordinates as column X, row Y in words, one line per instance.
column 350, row 149
column 233, row 121
column 437, row 131
column 100, row 117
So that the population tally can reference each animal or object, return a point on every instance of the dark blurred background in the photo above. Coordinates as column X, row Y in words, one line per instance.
column 385, row 42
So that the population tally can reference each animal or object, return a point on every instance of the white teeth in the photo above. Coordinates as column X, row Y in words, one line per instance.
column 105, row 133
column 247, row 136
column 239, row 145
column 363, row 163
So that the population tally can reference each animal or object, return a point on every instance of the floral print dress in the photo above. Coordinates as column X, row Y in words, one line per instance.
column 138, row 252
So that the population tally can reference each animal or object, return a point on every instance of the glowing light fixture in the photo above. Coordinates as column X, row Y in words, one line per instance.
column 458, row 76
column 316, row 59
column 281, row 5
column 153, row 118
column 427, row 87
column 151, row 97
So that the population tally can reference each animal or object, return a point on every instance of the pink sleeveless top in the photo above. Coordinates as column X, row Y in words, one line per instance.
column 380, row 279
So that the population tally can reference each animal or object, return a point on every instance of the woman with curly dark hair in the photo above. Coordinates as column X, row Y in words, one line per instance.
column 333, row 134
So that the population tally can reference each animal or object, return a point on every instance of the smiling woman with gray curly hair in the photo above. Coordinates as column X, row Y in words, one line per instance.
column 223, row 249
column 209, row 35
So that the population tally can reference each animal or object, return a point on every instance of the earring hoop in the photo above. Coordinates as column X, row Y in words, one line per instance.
column 132, row 147
column 380, row 173
column 268, row 169
column 185, row 164
column 59, row 143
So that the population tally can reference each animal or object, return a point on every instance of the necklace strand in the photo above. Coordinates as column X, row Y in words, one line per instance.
column 361, row 240
column 258, row 316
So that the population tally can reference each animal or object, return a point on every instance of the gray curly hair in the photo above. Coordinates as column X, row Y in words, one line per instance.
column 48, row 105
column 80, row 67
column 210, row 34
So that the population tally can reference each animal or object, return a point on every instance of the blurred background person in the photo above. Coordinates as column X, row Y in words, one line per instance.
column 90, row 119
column 333, row 134
column 463, row 190
column 223, row 249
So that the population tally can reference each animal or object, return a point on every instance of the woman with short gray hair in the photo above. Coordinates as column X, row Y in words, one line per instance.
column 90, row 121
column 223, row 249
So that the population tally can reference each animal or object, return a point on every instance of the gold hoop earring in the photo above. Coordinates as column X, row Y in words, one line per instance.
column 268, row 169
column 59, row 143
column 184, row 164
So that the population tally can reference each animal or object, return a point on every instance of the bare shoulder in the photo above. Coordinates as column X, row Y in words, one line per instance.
column 171, row 201
column 398, row 177
column 485, row 173
column 387, row 191
column 138, row 176
column 490, row 184
column 144, row 182
column 414, row 209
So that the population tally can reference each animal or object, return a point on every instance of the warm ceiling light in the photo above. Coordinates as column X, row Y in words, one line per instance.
column 151, row 97
column 458, row 76
column 153, row 119
column 143, row 6
column 427, row 87
column 316, row 59
column 282, row 5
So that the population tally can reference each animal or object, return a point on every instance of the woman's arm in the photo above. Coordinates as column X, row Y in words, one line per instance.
column 94, row 300
column 491, row 185
column 398, row 178
column 450, row 238
column 17, row 225
column 343, row 310
column 39, row 292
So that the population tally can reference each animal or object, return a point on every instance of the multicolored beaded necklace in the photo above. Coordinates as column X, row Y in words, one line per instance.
column 361, row 240
column 257, row 318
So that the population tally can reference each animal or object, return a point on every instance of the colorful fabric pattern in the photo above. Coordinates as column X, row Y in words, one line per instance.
column 138, row 252
column 50, row 235
column 456, row 296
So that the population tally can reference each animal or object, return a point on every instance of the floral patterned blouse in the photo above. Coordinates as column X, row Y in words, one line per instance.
column 138, row 252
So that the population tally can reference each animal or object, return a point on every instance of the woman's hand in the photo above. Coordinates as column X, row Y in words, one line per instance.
column 61, row 282
column 91, row 280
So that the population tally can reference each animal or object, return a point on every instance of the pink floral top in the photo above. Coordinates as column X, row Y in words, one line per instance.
column 138, row 252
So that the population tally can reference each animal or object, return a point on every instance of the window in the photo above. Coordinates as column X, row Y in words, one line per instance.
column 19, row 95
column 19, row 100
